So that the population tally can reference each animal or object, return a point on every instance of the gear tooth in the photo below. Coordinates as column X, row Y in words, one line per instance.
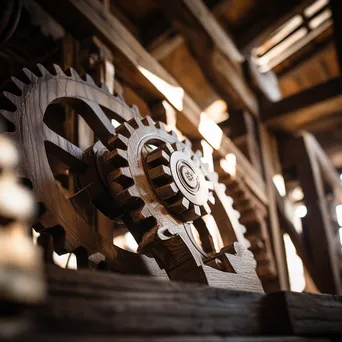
column 117, row 158
column 58, row 70
column 122, row 176
column 210, row 185
column 167, row 147
column 120, row 99
column 73, row 73
column 199, row 154
column 180, row 206
column 161, row 125
column 135, row 122
column 30, row 75
column 128, row 197
column 167, row 191
column 192, row 214
column 214, row 177
column 19, row 84
column 148, row 121
column 125, row 129
column 90, row 80
column 42, row 70
column 158, row 157
column 237, row 214
column 211, row 199
column 242, row 228
column 118, row 141
column 173, row 134
column 15, row 100
column 105, row 88
column 231, row 201
column 8, row 115
column 246, row 243
column 205, row 209
column 178, row 146
column 187, row 143
column 136, row 110
column 160, row 172
column 222, row 187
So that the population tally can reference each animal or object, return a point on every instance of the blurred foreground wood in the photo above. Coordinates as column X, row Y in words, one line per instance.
column 88, row 306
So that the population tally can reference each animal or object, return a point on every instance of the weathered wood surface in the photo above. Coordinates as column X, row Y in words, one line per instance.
column 87, row 303
column 139, row 70
column 213, row 49
column 107, row 303
column 303, row 156
column 303, row 314
column 294, row 112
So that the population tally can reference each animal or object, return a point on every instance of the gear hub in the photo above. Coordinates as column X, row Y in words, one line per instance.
column 178, row 181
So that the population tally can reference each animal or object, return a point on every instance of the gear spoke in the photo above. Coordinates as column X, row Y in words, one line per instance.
column 64, row 150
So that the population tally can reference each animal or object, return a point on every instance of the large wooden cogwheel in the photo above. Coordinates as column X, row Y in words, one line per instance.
column 138, row 173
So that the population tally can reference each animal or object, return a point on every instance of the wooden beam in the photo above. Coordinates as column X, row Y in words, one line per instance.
column 293, row 112
column 329, row 173
column 300, row 155
column 138, row 69
column 273, row 218
column 336, row 7
column 213, row 49
column 271, row 19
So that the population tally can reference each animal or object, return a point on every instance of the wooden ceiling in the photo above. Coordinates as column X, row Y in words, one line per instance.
column 248, row 23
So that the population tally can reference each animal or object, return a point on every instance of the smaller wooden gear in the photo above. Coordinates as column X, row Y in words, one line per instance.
column 164, row 188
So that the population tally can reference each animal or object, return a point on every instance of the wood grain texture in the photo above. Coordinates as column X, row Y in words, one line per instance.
column 132, row 61
column 119, row 307
column 108, row 303
column 213, row 49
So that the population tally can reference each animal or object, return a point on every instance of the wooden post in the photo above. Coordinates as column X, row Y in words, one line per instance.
column 317, row 229
column 275, row 229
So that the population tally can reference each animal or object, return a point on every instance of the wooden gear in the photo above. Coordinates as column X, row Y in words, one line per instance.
column 158, row 193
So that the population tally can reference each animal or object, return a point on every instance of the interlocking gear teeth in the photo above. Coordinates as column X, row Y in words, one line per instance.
column 167, row 191
column 136, row 123
column 118, row 141
column 192, row 214
column 129, row 197
column 157, row 157
column 160, row 173
column 122, row 176
column 125, row 129
column 118, row 158
column 178, row 146
column 161, row 125
column 148, row 121
column 179, row 206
